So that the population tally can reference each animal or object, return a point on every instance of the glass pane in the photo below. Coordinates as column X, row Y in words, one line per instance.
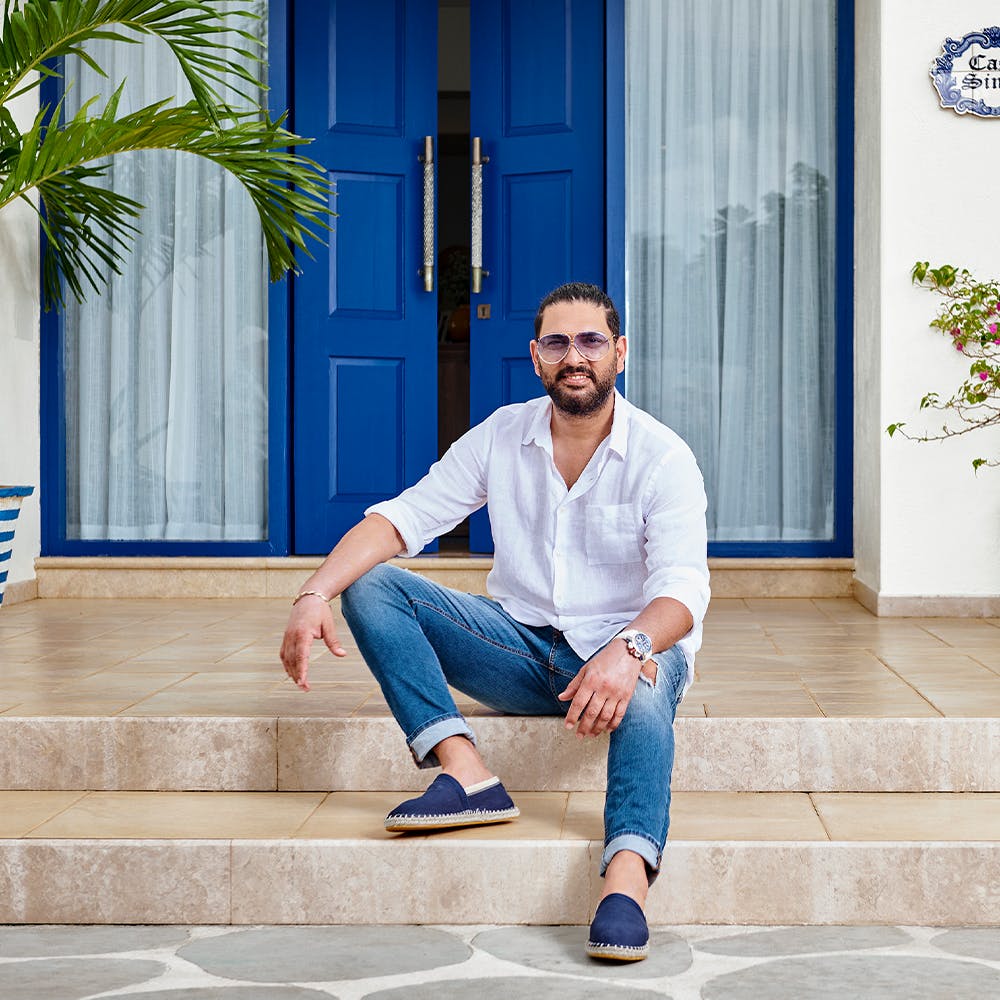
column 730, row 162
column 166, row 370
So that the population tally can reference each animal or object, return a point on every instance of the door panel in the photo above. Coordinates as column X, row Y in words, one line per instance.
column 365, row 344
column 365, row 331
column 538, row 105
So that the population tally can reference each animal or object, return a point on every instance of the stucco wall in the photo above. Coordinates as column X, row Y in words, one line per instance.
column 938, row 524
column 19, row 374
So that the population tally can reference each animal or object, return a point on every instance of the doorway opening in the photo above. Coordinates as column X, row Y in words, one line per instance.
column 453, row 237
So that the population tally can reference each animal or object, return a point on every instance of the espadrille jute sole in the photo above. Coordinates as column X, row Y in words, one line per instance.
column 618, row 952
column 402, row 824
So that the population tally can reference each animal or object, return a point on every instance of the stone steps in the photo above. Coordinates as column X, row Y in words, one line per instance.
column 774, row 821
column 533, row 754
column 793, row 803
column 314, row 858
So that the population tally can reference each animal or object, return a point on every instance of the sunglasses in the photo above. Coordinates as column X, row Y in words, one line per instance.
column 590, row 344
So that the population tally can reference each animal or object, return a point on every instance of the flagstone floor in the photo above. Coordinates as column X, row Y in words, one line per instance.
column 218, row 657
column 495, row 963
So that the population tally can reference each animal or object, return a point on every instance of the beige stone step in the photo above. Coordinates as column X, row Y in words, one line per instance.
column 244, row 858
column 143, row 576
column 534, row 754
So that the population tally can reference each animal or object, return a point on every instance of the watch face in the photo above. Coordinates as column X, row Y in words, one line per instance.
column 643, row 644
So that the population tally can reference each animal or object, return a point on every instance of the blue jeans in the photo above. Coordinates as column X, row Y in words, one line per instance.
column 417, row 637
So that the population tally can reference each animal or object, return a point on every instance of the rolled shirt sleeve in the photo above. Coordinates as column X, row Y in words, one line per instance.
column 674, row 508
column 453, row 488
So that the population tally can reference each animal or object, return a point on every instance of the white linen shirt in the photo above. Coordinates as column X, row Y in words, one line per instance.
column 586, row 560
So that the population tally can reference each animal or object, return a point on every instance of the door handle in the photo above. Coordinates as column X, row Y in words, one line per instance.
column 478, row 273
column 427, row 158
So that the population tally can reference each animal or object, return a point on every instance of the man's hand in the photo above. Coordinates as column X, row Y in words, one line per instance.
column 310, row 619
column 602, row 690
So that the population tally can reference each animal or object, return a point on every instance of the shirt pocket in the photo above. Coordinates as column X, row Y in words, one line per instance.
column 613, row 534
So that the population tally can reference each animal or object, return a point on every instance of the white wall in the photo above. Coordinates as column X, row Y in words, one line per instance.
column 867, row 295
column 19, row 371
column 938, row 525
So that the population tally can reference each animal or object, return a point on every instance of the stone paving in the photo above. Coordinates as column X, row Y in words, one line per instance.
column 494, row 963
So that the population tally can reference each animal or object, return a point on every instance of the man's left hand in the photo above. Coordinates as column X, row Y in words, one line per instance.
column 602, row 690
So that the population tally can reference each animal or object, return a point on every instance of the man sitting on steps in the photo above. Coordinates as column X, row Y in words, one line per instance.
column 599, row 584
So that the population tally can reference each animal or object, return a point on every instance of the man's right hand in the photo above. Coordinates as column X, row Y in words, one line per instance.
column 310, row 619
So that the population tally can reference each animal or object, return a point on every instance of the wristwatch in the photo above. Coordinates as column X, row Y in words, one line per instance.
column 639, row 644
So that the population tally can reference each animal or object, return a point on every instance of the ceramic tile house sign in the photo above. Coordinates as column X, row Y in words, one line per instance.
column 967, row 74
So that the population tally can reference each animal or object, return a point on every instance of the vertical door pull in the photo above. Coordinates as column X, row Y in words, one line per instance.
column 427, row 158
column 478, row 273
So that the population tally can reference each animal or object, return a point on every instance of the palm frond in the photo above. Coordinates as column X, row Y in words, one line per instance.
column 199, row 34
column 86, row 225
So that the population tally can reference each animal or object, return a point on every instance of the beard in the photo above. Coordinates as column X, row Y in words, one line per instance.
column 580, row 402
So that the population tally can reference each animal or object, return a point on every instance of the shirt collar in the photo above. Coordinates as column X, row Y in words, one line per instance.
column 539, row 430
column 618, row 438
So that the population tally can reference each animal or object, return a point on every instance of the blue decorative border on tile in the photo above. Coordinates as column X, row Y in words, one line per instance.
column 948, row 88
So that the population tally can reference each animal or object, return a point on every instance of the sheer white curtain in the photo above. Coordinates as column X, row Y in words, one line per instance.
column 730, row 156
column 166, row 372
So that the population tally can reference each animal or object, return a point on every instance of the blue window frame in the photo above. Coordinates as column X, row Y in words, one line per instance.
column 53, row 415
column 841, row 544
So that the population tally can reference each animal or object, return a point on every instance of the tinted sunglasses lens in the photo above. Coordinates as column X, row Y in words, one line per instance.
column 553, row 347
column 593, row 346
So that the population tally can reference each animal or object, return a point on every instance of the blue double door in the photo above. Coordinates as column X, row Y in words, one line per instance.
column 365, row 327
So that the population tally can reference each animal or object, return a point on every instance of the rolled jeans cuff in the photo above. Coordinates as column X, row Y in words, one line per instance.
column 638, row 844
column 432, row 734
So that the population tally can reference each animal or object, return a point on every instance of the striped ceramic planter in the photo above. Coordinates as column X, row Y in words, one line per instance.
column 10, row 507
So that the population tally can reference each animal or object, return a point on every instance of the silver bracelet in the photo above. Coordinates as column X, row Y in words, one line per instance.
column 309, row 593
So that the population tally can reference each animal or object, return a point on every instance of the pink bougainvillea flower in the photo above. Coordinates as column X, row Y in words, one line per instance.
column 983, row 376
column 955, row 331
column 993, row 328
column 958, row 347
column 997, row 341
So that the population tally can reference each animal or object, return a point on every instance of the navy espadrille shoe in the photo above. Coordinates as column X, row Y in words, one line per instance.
column 446, row 804
column 619, row 930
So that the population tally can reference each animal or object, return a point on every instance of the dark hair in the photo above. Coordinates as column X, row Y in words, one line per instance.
column 578, row 291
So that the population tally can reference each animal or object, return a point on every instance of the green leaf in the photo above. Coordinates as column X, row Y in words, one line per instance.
column 976, row 463
column 892, row 428
column 87, row 227
column 291, row 193
column 198, row 33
